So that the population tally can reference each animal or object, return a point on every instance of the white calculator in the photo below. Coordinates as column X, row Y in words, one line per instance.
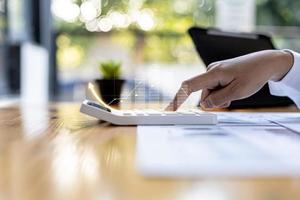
column 146, row 117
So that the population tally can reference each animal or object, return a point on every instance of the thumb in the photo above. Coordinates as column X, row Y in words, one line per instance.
column 220, row 97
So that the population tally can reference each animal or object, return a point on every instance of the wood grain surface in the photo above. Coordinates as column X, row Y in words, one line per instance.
column 55, row 152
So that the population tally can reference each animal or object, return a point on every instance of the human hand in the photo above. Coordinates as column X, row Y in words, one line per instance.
column 234, row 79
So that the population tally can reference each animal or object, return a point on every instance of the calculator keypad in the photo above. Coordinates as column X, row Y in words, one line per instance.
column 159, row 113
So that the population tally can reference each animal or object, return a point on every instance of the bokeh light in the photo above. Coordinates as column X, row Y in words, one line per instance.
column 65, row 10
column 88, row 11
column 105, row 24
column 145, row 20
column 119, row 20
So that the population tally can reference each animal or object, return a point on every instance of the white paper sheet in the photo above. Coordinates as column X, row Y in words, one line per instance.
column 251, row 146
column 290, row 121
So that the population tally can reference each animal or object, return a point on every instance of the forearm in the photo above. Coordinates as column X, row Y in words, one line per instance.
column 272, row 64
column 288, row 83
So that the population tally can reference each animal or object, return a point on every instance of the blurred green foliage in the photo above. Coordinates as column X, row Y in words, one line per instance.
column 168, row 41
column 278, row 12
column 110, row 69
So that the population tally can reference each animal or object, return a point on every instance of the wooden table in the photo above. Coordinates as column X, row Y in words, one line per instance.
column 55, row 152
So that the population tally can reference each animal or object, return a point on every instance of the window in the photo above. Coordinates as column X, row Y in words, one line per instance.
column 149, row 37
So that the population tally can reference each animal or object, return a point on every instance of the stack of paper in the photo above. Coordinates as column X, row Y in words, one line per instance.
column 242, row 144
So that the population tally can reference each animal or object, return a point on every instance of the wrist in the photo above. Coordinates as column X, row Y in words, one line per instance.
column 283, row 63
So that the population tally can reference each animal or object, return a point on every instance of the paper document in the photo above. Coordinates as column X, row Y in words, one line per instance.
column 241, row 145
column 290, row 121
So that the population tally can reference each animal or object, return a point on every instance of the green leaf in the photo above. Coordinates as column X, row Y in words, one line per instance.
column 110, row 69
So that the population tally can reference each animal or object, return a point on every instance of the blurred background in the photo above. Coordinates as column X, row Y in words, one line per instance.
column 50, row 49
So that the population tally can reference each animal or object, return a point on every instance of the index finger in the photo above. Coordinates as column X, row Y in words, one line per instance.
column 180, row 97
column 203, row 81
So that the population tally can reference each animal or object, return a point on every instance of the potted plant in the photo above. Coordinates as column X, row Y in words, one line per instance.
column 111, row 84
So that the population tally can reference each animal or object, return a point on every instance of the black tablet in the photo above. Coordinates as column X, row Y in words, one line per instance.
column 215, row 45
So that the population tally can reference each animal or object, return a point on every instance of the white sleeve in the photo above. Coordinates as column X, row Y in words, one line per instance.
column 289, row 86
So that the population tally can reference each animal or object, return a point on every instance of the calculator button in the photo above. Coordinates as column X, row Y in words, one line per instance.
column 153, row 113
column 170, row 113
column 197, row 111
column 186, row 113
column 139, row 114
column 127, row 113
